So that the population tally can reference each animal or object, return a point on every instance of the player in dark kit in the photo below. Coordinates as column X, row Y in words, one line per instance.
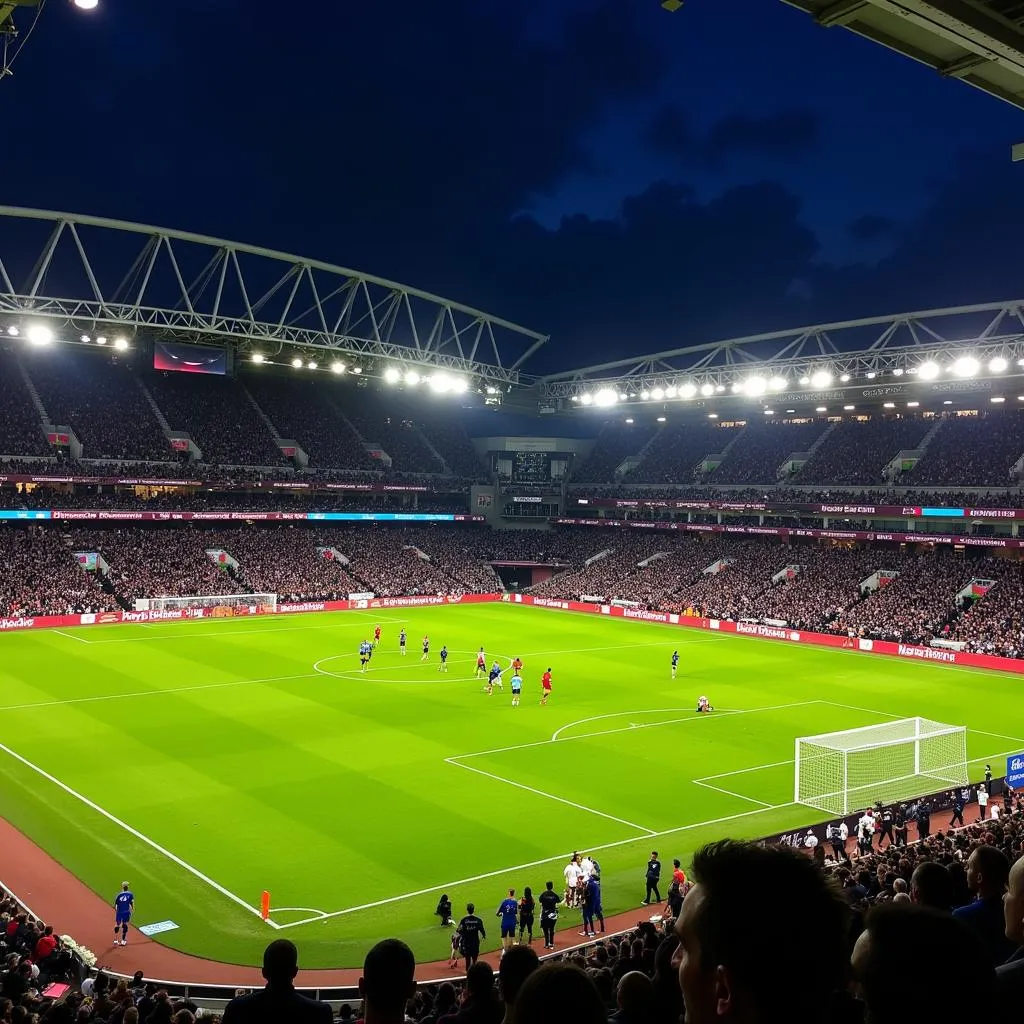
column 443, row 666
column 675, row 663
column 401, row 642
column 472, row 930
column 124, row 904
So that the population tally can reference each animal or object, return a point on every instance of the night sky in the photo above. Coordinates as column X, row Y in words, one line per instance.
column 622, row 178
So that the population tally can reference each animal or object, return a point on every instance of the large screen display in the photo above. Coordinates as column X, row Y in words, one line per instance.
column 170, row 355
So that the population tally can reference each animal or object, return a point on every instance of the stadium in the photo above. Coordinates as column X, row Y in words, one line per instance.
column 267, row 523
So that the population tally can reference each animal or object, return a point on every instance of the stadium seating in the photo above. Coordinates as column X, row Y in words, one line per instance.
column 760, row 450
column 21, row 432
column 615, row 443
column 672, row 457
column 855, row 453
column 396, row 433
column 970, row 451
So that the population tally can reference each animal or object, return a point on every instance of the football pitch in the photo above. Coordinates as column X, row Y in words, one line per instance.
column 208, row 761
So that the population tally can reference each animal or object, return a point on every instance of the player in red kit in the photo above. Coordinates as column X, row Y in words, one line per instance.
column 376, row 635
column 545, row 686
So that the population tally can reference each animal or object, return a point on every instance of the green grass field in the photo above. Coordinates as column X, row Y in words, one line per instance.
column 208, row 761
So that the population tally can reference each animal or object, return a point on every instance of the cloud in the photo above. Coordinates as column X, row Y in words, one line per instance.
column 783, row 135
column 669, row 132
column 871, row 228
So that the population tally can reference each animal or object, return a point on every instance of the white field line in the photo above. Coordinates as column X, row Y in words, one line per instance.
column 729, row 792
column 744, row 771
column 629, row 728
column 551, row 796
column 133, row 831
column 535, row 863
column 215, row 634
column 154, row 693
column 623, row 714
column 70, row 636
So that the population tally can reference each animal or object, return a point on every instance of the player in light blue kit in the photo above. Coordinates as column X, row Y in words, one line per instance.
column 517, row 689
column 365, row 650
column 124, row 904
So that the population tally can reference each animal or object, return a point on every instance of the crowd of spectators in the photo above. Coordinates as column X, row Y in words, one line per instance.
column 451, row 440
column 21, row 432
column 397, row 435
column 614, row 444
column 217, row 414
column 972, row 451
column 994, row 622
column 305, row 411
column 674, row 456
column 102, row 402
column 760, row 450
column 856, row 451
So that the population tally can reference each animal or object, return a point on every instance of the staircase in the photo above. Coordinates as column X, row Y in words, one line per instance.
column 927, row 440
column 446, row 469
column 157, row 412
column 642, row 454
column 821, row 437
column 44, row 416
column 259, row 412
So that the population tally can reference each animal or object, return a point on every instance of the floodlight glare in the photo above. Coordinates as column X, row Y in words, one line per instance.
column 777, row 384
column 85, row 339
column 459, row 386
column 392, row 375
column 736, row 388
column 965, row 366
column 913, row 405
column 644, row 395
column 606, row 397
column 707, row 390
column 928, row 371
column 257, row 357
column 40, row 334
column 121, row 344
column 769, row 412
column 587, row 400
column 821, row 379
column 804, row 381
column 623, row 397
column 670, row 391
column 337, row 367
column 821, row 408
column 661, row 419
column 657, row 394
column 688, row 390
column 412, row 378
column 441, row 382
column 848, row 408
column 845, row 378
column 628, row 420
column 719, row 388
column 297, row 363
column 755, row 386
column 86, row 5
column 13, row 331
column 898, row 372
column 101, row 340
column 997, row 399
column 311, row 365
column 997, row 365
column 871, row 376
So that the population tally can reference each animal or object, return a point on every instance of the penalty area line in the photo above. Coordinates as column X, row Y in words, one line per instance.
column 174, row 858
column 535, row 864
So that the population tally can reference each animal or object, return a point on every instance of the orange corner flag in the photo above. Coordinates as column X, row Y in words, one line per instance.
column 265, row 905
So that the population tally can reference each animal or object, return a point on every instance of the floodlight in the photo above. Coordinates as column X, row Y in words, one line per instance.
column 392, row 375
column 719, row 388
column 412, row 378
column 257, row 357
column 357, row 369
column 769, row 412
column 821, row 408
column 997, row 399
column 311, row 365
column 40, row 334
column 913, row 405
column 629, row 420
column 623, row 397
column 441, row 382
column 86, row 5
column 13, row 331
column 587, row 400
column 997, row 365
column 898, row 372
column 778, row 384
column 848, row 408
column 605, row 397
column 661, row 419
column 85, row 339
column 121, row 344
column 804, row 381
column 871, row 375
column 297, row 363
column 755, row 386
column 845, row 378
column 737, row 387
column 928, row 371
column 712, row 415
column 707, row 390
column 670, row 391
column 965, row 366
column 688, row 390
column 644, row 395
column 459, row 386
column 889, row 405
column 101, row 340
column 821, row 379
column 657, row 394
column 337, row 367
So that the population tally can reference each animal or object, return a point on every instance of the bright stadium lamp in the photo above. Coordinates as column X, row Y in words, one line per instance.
column 997, row 365
column 121, row 344
column 311, row 365
column 845, row 378
column 777, row 384
column 755, row 386
column 459, row 386
column 85, row 339
column 412, row 378
column 13, row 331
column 657, row 394
column 707, row 390
column 804, row 381
column 928, row 371
column 965, row 366
column 587, row 400
column 688, row 390
column 257, row 357
column 441, row 382
column 392, row 375
column 337, row 366
column 605, row 397
column 86, row 5
column 670, row 391
column 644, row 396
column 297, row 363
column 821, row 379
column 39, row 334
column 737, row 387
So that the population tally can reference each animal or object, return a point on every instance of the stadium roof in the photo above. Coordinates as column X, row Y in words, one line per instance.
column 980, row 42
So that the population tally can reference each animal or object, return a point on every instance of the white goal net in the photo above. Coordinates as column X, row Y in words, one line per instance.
column 213, row 605
column 841, row 772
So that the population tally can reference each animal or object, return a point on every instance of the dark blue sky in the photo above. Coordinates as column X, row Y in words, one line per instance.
column 622, row 178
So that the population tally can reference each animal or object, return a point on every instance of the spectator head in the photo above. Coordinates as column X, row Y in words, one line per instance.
column 931, row 885
column 1013, row 904
column 635, row 995
column 280, row 962
column 988, row 871
column 518, row 963
column 556, row 993
column 733, row 972
column 388, row 980
column 899, row 885
column 902, row 898
column 480, row 981
column 901, row 943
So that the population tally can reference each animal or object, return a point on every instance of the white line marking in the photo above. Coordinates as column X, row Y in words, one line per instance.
column 997, row 736
column 154, row 693
column 729, row 792
column 71, row 636
column 550, row 796
column 744, row 771
column 321, row 914
column 134, row 832
column 538, row 863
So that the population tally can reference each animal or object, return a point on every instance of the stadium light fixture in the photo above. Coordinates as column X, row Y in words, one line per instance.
column 948, row 401
column 707, row 390
column 1020, row 398
column 845, row 378
column 459, row 386
column 670, row 391
column 257, row 357
column 587, row 399
column 804, row 381
column 777, row 384
column 605, row 397
column 737, row 387
column 86, row 5
column 392, row 375
column 297, row 363
column 661, row 419
column 755, row 386
column 997, row 365
column 965, row 366
column 623, row 397
column 337, row 366
column 629, row 420
column 688, row 390
column 928, row 371
column 412, row 378
column 821, row 379
column 849, row 408
column 719, row 388
column 574, row 398
column 913, row 405
column 657, row 394
column 821, row 408
column 121, row 344
column 898, row 372
column 13, row 331
column 39, row 334
column 769, row 412
column 644, row 396
column 101, row 340
column 871, row 375
column 889, row 405
column 85, row 339
column 791, row 410
column 441, row 382
column 712, row 415
column 996, row 399
column 311, row 365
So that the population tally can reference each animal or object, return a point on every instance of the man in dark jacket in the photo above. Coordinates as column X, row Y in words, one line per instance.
column 653, row 877
column 278, row 1001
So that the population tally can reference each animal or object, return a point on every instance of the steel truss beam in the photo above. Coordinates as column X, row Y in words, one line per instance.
column 90, row 274
column 870, row 349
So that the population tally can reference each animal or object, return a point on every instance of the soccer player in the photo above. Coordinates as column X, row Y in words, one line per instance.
column 675, row 663
column 545, row 687
column 364, row 654
column 426, row 647
column 509, row 914
column 401, row 641
column 704, row 706
column 124, row 904
column 481, row 663
column 517, row 665
column 494, row 676
column 443, row 666
column 376, row 635
column 517, row 689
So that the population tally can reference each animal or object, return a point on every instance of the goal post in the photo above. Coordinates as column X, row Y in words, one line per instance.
column 840, row 772
column 215, row 605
